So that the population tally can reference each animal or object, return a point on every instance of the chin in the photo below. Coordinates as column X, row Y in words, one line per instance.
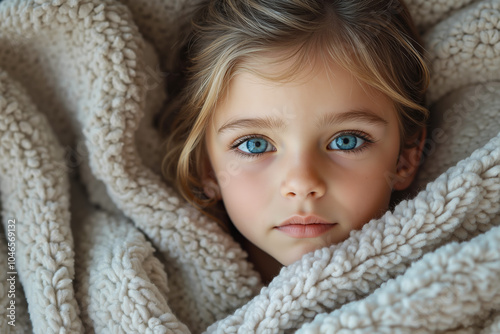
column 299, row 253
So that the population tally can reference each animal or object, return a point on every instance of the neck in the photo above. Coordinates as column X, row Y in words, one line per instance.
column 265, row 264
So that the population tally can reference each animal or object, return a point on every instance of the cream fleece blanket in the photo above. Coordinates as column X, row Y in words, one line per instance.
column 94, row 242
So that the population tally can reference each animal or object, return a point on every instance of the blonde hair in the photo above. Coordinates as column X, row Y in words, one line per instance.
column 375, row 40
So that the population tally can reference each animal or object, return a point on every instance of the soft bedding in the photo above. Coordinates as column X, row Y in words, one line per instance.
column 94, row 241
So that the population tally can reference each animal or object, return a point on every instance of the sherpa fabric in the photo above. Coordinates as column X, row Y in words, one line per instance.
column 103, row 245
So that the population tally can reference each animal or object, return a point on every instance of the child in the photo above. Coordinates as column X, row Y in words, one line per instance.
column 298, row 120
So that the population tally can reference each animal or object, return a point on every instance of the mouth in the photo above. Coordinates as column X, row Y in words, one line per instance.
column 304, row 227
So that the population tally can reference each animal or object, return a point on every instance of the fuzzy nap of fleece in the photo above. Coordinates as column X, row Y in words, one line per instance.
column 101, row 244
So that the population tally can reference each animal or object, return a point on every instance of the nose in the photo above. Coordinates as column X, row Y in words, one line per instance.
column 302, row 181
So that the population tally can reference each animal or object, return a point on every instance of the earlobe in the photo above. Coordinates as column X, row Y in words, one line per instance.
column 211, row 188
column 409, row 161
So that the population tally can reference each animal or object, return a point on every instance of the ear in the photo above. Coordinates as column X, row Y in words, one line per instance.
column 211, row 187
column 408, row 163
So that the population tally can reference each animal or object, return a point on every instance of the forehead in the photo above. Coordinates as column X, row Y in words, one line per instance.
column 317, row 88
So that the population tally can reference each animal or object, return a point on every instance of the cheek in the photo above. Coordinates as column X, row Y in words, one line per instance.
column 244, row 197
column 364, row 191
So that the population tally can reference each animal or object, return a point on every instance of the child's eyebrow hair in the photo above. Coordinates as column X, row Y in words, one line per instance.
column 267, row 122
column 361, row 115
column 270, row 122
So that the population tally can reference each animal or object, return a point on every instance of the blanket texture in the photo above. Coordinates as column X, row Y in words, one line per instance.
column 93, row 241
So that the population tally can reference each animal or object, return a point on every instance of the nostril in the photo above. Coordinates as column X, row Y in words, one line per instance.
column 312, row 194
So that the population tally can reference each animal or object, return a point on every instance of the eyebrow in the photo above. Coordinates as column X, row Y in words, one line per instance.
column 361, row 115
column 330, row 119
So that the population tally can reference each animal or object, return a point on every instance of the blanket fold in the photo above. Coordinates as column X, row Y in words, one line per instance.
column 457, row 279
column 35, row 196
column 103, row 244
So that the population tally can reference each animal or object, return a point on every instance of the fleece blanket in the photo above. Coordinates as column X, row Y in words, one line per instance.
column 93, row 241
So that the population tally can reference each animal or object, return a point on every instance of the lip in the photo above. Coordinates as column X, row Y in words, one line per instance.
column 304, row 227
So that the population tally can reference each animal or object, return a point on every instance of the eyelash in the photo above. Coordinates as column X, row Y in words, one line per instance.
column 234, row 147
column 360, row 134
column 368, row 141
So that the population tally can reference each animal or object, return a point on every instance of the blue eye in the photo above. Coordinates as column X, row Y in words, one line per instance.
column 255, row 146
column 346, row 143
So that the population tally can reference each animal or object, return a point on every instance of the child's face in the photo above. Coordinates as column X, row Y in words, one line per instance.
column 328, row 144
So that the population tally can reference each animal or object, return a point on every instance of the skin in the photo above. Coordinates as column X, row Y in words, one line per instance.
column 302, row 173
